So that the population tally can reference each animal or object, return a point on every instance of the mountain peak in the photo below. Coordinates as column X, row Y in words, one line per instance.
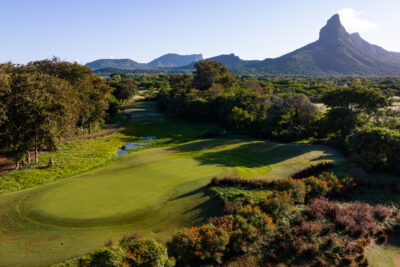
column 333, row 30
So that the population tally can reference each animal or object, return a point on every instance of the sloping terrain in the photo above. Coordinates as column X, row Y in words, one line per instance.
column 151, row 192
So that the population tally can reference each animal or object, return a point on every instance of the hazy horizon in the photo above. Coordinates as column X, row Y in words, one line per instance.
column 142, row 31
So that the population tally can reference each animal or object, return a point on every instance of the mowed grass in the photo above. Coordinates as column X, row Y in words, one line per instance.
column 151, row 192
column 76, row 157
column 384, row 255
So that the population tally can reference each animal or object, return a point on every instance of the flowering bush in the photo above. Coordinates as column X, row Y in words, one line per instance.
column 357, row 219
column 261, row 221
column 145, row 252
column 296, row 188
column 278, row 205
column 105, row 256
column 242, row 234
column 246, row 227
column 195, row 246
column 130, row 252
column 326, row 183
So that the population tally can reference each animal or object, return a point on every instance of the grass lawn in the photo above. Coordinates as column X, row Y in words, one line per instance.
column 384, row 255
column 150, row 192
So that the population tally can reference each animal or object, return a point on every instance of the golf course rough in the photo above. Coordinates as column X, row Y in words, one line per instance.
column 151, row 192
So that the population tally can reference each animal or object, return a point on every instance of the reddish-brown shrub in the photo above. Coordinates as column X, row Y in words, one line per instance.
column 382, row 212
column 232, row 207
column 232, row 181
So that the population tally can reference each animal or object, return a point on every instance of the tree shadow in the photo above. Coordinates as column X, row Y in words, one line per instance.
column 211, row 207
column 259, row 154
column 205, row 144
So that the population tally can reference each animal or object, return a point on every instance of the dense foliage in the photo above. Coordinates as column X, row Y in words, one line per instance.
column 44, row 101
column 281, row 109
column 130, row 251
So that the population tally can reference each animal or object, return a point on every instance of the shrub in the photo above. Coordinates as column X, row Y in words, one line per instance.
column 203, row 245
column 248, row 226
column 375, row 148
column 242, row 234
column 232, row 207
column 278, row 205
column 232, row 181
column 105, row 257
column 326, row 183
column 261, row 221
column 382, row 212
column 356, row 219
column 296, row 188
column 145, row 252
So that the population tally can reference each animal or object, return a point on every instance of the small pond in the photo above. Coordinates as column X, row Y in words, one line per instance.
column 125, row 149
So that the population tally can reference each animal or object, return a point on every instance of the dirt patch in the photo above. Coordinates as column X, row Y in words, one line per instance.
column 397, row 260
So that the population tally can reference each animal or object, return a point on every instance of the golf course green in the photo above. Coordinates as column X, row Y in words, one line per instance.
column 151, row 192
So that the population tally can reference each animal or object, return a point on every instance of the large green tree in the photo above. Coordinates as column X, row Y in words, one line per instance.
column 209, row 73
column 92, row 92
column 125, row 89
column 39, row 111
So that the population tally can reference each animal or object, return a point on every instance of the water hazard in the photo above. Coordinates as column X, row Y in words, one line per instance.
column 125, row 149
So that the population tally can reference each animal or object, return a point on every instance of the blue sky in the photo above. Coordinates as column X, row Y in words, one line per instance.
column 85, row 30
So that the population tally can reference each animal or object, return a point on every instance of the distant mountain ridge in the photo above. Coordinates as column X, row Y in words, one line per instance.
column 165, row 61
column 125, row 63
column 336, row 52
column 230, row 60
column 174, row 60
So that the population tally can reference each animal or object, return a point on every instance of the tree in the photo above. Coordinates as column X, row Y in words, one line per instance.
column 375, row 148
column 125, row 89
column 240, row 118
column 93, row 94
column 255, row 85
column 357, row 98
column 296, row 113
column 39, row 111
column 181, row 83
column 209, row 72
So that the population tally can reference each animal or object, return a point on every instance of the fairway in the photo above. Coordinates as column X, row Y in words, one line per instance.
column 151, row 192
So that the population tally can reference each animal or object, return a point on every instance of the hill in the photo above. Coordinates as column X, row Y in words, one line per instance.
column 165, row 61
column 125, row 63
column 336, row 52
column 174, row 60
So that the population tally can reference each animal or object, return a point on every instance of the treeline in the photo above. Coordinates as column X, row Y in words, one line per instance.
column 357, row 115
column 44, row 101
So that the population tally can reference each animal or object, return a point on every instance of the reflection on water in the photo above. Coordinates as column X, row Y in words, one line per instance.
column 148, row 138
column 132, row 146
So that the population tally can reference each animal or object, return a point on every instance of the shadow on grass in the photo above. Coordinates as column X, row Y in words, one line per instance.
column 211, row 207
column 250, row 155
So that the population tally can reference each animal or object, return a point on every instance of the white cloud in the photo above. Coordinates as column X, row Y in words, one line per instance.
column 351, row 21
column 77, row 61
column 111, row 57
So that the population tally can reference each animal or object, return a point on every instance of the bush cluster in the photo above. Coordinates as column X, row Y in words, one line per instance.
column 130, row 251
column 235, row 181
column 197, row 246
column 328, row 233
column 223, row 238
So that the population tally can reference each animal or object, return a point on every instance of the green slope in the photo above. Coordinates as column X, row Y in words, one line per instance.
column 151, row 192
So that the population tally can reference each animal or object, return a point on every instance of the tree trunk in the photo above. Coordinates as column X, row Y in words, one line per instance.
column 36, row 152
column 29, row 157
column 90, row 128
column 16, row 165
